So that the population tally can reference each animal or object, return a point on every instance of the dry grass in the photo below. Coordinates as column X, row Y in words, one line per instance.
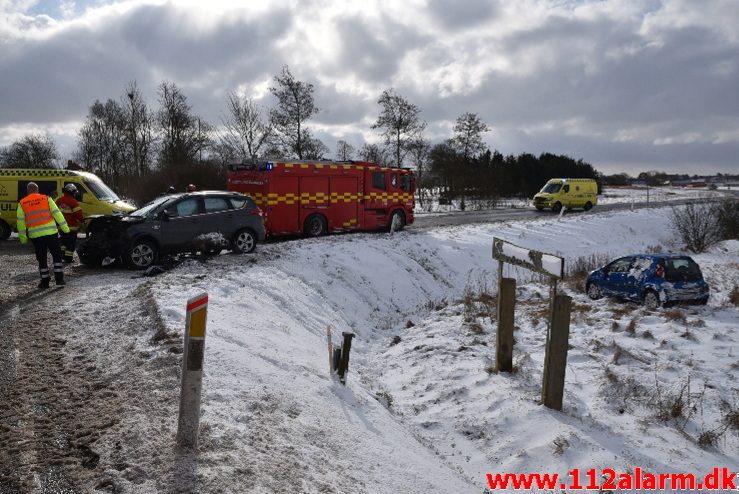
column 580, row 267
column 476, row 328
column 395, row 340
column 631, row 327
column 621, row 310
column 675, row 315
column 734, row 296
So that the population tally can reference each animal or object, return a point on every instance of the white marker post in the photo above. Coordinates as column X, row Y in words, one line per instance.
column 192, row 372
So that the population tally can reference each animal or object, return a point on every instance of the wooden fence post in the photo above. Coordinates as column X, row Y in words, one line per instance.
column 346, row 347
column 555, row 358
column 506, row 310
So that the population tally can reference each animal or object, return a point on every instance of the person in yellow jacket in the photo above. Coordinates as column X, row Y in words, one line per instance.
column 37, row 218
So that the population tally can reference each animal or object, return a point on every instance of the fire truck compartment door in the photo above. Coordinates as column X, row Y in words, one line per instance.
column 284, row 206
column 345, row 197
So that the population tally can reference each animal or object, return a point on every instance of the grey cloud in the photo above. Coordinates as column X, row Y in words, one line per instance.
column 58, row 78
column 461, row 14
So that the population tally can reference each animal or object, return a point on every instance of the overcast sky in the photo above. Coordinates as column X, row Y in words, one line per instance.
column 627, row 85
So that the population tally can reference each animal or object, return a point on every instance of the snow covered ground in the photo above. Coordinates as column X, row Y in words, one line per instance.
column 422, row 411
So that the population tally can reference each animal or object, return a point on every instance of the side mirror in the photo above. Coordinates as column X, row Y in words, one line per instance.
column 164, row 215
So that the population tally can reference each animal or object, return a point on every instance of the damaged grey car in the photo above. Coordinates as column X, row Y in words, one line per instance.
column 205, row 222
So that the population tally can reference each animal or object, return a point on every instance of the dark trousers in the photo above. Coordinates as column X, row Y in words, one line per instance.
column 69, row 243
column 50, row 243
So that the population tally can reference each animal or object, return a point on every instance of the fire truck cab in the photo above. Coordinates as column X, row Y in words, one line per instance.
column 318, row 197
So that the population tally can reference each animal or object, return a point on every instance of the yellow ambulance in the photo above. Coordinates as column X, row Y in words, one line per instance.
column 568, row 193
column 95, row 197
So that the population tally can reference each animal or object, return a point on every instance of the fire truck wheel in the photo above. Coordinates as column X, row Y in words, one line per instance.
column 397, row 221
column 244, row 241
column 315, row 226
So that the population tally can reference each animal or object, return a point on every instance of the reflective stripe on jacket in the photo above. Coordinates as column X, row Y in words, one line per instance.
column 71, row 210
column 39, row 215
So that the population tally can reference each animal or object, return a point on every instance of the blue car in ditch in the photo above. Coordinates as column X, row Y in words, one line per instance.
column 653, row 279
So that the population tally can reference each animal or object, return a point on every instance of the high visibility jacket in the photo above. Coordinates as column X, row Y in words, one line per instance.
column 39, row 215
column 72, row 211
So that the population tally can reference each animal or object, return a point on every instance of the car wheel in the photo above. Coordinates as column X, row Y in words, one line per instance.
column 141, row 254
column 315, row 226
column 557, row 207
column 539, row 208
column 588, row 206
column 651, row 300
column 244, row 241
column 397, row 221
column 4, row 230
column 593, row 291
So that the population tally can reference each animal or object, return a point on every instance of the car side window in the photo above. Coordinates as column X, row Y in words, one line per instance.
column 238, row 202
column 186, row 207
column 214, row 204
column 620, row 265
column 566, row 189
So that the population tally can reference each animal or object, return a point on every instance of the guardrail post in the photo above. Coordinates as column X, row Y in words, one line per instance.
column 192, row 371
column 555, row 358
column 346, row 347
column 506, row 310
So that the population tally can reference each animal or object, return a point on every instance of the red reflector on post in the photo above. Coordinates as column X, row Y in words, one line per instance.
column 197, row 303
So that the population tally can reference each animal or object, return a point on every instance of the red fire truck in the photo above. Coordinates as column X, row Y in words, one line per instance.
column 318, row 197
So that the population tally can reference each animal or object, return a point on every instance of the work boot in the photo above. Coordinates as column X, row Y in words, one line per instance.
column 58, row 279
column 44, row 284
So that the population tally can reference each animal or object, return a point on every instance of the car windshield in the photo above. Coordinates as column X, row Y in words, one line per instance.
column 551, row 188
column 101, row 191
column 148, row 208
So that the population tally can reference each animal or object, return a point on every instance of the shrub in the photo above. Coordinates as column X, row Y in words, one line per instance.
column 734, row 295
column 700, row 226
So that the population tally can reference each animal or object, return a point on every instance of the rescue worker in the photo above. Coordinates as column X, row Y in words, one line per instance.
column 37, row 218
column 72, row 212
column 191, row 188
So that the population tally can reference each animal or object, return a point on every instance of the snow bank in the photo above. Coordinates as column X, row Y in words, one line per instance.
column 420, row 412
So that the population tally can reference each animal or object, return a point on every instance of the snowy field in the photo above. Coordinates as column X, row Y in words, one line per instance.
column 423, row 411
column 610, row 195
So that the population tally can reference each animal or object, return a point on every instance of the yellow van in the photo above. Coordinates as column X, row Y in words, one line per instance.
column 95, row 196
column 568, row 193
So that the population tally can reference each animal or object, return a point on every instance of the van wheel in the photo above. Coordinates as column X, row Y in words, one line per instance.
column 141, row 254
column 244, row 241
column 588, row 206
column 651, row 300
column 557, row 207
column 397, row 221
column 315, row 226
column 4, row 230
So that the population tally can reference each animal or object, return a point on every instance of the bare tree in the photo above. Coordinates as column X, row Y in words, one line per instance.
column 101, row 145
column 419, row 151
column 314, row 148
column 246, row 132
column 184, row 136
column 344, row 150
column 138, row 131
column 295, row 106
column 467, row 138
column 399, row 122
column 31, row 151
column 373, row 153
column 697, row 225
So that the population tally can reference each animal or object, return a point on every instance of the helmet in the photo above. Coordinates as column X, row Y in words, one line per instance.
column 171, row 190
column 70, row 188
column 191, row 188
